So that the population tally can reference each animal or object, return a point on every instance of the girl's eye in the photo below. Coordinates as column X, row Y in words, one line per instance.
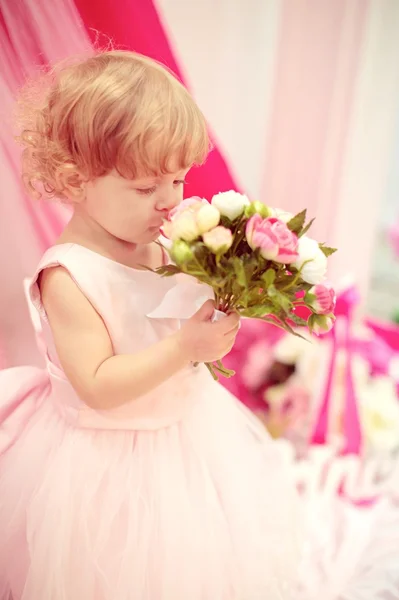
column 147, row 191
column 151, row 190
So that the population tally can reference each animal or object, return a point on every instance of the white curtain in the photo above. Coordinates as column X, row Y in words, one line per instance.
column 303, row 96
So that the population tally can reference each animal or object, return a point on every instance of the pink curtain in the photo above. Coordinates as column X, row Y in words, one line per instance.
column 32, row 33
column 317, row 60
column 332, row 122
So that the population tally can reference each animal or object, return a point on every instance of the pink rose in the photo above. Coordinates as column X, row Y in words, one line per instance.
column 321, row 298
column 193, row 204
column 286, row 405
column 273, row 238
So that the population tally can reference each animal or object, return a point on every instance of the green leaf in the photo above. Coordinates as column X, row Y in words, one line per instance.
column 279, row 299
column 225, row 222
column 167, row 270
column 218, row 283
column 327, row 251
column 302, row 287
column 255, row 297
column 306, row 228
column 268, row 277
column 243, row 303
column 201, row 251
column 250, row 266
column 200, row 276
column 236, row 289
column 288, row 328
column 239, row 271
column 282, row 325
column 283, row 280
column 296, row 224
column 297, row 320
column 258, row 311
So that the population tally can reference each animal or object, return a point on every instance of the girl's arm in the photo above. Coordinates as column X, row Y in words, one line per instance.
column 104, row 380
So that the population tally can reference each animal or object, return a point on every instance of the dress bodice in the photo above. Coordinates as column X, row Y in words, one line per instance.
column 138, row 308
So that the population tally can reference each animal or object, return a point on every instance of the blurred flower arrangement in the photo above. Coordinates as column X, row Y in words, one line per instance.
column 258, row 261
column 282, row 379
column 274, row 378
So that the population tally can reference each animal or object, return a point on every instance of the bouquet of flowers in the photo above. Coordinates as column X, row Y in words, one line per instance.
column 258, row 261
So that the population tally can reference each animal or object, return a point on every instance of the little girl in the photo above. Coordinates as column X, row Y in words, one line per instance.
column 126, row 473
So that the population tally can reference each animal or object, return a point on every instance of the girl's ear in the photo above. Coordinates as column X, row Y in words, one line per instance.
column 72, row 183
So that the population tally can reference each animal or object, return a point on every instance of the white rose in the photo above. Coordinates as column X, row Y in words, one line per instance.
column 218, row 240
column 207, row 217
column 282, row 215
column 184, row 227
column 315, row 270
column 230, row 204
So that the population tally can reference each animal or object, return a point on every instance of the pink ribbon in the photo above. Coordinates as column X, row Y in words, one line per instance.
column 346, row 303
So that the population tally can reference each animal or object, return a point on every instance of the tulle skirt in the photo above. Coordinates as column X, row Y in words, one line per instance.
column 204, row 509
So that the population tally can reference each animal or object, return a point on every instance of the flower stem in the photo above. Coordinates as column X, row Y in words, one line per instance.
column 219, row 369
column 210, row 368
column 223, row 371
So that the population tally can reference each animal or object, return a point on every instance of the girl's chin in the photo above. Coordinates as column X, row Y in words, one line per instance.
column 154, row 232
column 146, row 237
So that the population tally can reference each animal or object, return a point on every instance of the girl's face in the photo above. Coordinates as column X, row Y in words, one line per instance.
column 132, row 210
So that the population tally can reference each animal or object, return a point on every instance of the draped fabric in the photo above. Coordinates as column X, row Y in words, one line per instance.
column 32, row 33
column 303, row 96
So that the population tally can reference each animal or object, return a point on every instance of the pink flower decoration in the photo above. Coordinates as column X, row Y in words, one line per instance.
column 274, row 239
column 259, row 360
column 285, row 406
column 321, row 298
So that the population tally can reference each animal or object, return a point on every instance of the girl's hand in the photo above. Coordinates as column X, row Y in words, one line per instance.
column 205, row 341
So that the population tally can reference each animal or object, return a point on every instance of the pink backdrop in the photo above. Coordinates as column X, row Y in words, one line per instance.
column 31, row 33
column 312, row 106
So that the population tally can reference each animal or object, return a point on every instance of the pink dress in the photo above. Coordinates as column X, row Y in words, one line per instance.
column 179, row 495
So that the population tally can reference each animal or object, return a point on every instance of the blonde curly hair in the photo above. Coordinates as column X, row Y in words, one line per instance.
column 114, row 110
